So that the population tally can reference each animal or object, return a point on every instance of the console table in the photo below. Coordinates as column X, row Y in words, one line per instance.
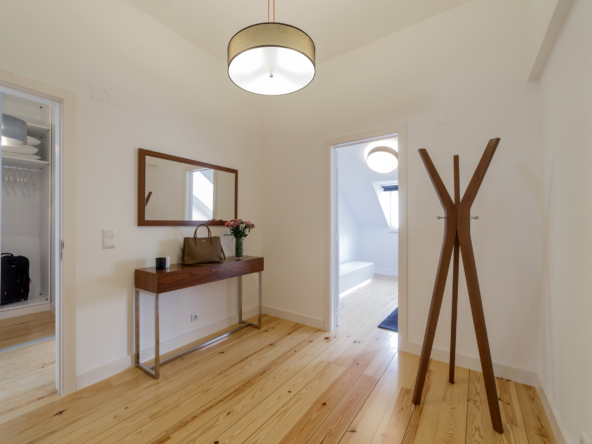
column 156, row 282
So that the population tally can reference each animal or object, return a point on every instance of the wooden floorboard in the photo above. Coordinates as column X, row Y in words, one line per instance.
column 27, row 328
column 27, row 379
column 284, row 384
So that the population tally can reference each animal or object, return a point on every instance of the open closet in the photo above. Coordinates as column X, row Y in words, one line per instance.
column 26, row 203
column 30, row 265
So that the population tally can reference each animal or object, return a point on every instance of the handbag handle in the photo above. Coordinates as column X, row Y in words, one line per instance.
column 209, row 233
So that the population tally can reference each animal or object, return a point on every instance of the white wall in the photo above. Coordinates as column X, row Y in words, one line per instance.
column 382, row 248
column 349, row 233
column 174, row 98
column 166, row 180
column 457, row 67
column 566, row 213
column 224, row 195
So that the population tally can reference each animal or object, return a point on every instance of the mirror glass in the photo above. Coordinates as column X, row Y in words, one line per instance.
column 177, row 191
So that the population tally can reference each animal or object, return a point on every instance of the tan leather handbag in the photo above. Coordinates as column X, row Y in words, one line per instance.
column 202, row 250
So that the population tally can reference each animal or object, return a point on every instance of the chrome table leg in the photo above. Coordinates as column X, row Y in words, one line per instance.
column 154, row 370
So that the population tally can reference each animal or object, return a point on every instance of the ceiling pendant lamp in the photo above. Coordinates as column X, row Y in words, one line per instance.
column 271, row 58
column 382, row 159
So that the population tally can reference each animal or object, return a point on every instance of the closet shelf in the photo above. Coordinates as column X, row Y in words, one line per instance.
column 8, row 160
column 36, row 131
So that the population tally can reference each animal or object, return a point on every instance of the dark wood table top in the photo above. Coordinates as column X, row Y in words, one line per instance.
column 180, row 276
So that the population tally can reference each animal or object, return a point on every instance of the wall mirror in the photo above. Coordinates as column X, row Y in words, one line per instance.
column 177, row 191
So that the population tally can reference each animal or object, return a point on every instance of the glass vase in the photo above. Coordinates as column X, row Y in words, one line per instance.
column 238, row 247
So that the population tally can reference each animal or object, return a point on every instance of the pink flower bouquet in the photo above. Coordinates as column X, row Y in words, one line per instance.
column 239, row 228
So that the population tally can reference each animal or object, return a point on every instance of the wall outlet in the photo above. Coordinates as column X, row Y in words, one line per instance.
column 194, row 316
column 584, row 439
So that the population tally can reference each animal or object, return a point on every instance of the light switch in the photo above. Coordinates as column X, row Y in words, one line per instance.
column 108, row 238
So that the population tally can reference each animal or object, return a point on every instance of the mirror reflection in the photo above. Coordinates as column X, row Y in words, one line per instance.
column 184, row 192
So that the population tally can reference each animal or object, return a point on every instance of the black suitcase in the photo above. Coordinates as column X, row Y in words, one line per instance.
column 15, row 278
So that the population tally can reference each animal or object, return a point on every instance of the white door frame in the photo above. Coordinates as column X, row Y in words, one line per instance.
column 63, row 216
column 332, row 246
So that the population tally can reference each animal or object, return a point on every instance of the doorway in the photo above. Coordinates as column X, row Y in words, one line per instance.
column 367, row 229
column 30, row 229
column 367, row 263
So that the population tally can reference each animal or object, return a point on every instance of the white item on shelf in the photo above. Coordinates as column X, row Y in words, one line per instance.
column 9, row 161
column 23, row 156
column 26, row 149
column 14, row 130
column 32, row 141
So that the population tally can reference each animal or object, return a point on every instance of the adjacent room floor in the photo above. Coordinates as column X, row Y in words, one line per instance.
column 289, row 383
column 27, row 364
column 28, row 328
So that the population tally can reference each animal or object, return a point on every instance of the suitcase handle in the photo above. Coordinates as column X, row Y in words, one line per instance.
column 6, row 254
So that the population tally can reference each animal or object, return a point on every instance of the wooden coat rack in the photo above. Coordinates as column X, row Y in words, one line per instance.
column 457, row 234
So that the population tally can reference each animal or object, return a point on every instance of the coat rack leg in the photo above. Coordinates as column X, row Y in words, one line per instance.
column 441, row 274
column 430, row 333
column 470, row 267
column 454, row 311
column 480, row 330
column 455, row 265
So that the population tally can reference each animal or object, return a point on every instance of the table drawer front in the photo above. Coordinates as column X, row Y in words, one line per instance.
column 146, row 281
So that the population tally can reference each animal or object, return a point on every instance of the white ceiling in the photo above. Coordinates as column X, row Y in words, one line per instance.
column 355, row 184
column 336, row 26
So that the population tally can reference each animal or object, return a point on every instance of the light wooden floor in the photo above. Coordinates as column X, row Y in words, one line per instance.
column 290, row 383
column 27, row 328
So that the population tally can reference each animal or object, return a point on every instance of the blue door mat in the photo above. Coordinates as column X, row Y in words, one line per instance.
column 392, row 322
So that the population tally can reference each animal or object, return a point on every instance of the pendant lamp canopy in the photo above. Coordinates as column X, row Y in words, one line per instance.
column 271, row 58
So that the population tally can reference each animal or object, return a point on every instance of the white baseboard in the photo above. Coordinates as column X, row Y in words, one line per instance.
column 556, row 423
column 112, row 368
column 24, row 310
column 386, row 271
column 295, row 317
column 103, row 372
column 473, row 363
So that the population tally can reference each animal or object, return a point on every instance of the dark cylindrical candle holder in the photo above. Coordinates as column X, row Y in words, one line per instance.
column 161, row 263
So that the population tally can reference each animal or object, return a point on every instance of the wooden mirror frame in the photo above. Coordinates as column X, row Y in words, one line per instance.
column 142, row 154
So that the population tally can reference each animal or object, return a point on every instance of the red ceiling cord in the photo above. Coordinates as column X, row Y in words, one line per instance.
column 268, row 2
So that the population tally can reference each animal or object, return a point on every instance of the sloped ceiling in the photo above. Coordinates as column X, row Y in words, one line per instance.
column 336, row 26
column 355, row 185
